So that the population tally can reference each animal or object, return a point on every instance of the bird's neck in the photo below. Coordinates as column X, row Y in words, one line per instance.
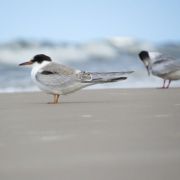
column 37, row 67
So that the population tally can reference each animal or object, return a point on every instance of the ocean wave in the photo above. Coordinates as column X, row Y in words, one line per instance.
column 114, row 54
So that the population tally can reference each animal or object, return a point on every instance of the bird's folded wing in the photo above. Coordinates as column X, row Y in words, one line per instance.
column 59, row 69
column 167, row 65
column 101, row 77
column 56, row 75
column 54, row 79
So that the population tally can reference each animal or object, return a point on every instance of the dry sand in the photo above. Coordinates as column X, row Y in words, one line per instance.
column 92, row 135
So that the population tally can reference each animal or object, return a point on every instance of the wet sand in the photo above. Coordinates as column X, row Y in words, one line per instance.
column 128, row 134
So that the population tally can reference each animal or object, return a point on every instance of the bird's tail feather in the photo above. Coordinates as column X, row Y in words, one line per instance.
column 104, row 77
column 101, row 80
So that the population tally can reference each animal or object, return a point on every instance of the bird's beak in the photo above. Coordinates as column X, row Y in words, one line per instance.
column 26, row 63
column 148, row 70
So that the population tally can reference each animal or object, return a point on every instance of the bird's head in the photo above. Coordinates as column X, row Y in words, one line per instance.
column 38, row 59
column 144, row 57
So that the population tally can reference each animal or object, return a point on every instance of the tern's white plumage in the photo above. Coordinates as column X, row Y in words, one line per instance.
column 59, row 79
column 163, row 66
column 37, row 68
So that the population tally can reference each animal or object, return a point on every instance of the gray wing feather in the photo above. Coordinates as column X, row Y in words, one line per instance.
column 102, row 77
column 54, row 79
column 59, row 69
column 166, row 64
column 59, row 75
column 56, row 75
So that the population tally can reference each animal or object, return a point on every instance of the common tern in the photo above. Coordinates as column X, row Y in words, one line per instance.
column 57, row 79
column 163, row 66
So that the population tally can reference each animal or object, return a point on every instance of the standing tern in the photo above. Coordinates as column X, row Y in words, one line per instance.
column 57, row 79
column 165, row 67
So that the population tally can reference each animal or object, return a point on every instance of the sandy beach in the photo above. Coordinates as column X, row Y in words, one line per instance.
column 114, row 134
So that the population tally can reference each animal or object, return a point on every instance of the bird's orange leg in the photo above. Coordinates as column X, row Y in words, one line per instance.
column 56, row 98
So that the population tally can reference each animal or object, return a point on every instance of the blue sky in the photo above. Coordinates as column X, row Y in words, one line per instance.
column 86, row 20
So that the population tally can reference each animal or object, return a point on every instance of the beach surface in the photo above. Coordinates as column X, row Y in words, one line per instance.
column 113, row 134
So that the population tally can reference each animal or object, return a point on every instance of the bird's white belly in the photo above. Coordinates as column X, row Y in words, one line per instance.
column 41, row 86
column 72, row 87
column 34, row 71
column 171, row 76
column 174, row 75
column 63, row 89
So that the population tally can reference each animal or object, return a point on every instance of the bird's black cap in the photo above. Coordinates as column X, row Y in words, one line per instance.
column 144, row 55
column 40, row 58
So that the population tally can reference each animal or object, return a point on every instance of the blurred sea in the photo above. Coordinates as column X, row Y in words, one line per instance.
column 114, row 54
